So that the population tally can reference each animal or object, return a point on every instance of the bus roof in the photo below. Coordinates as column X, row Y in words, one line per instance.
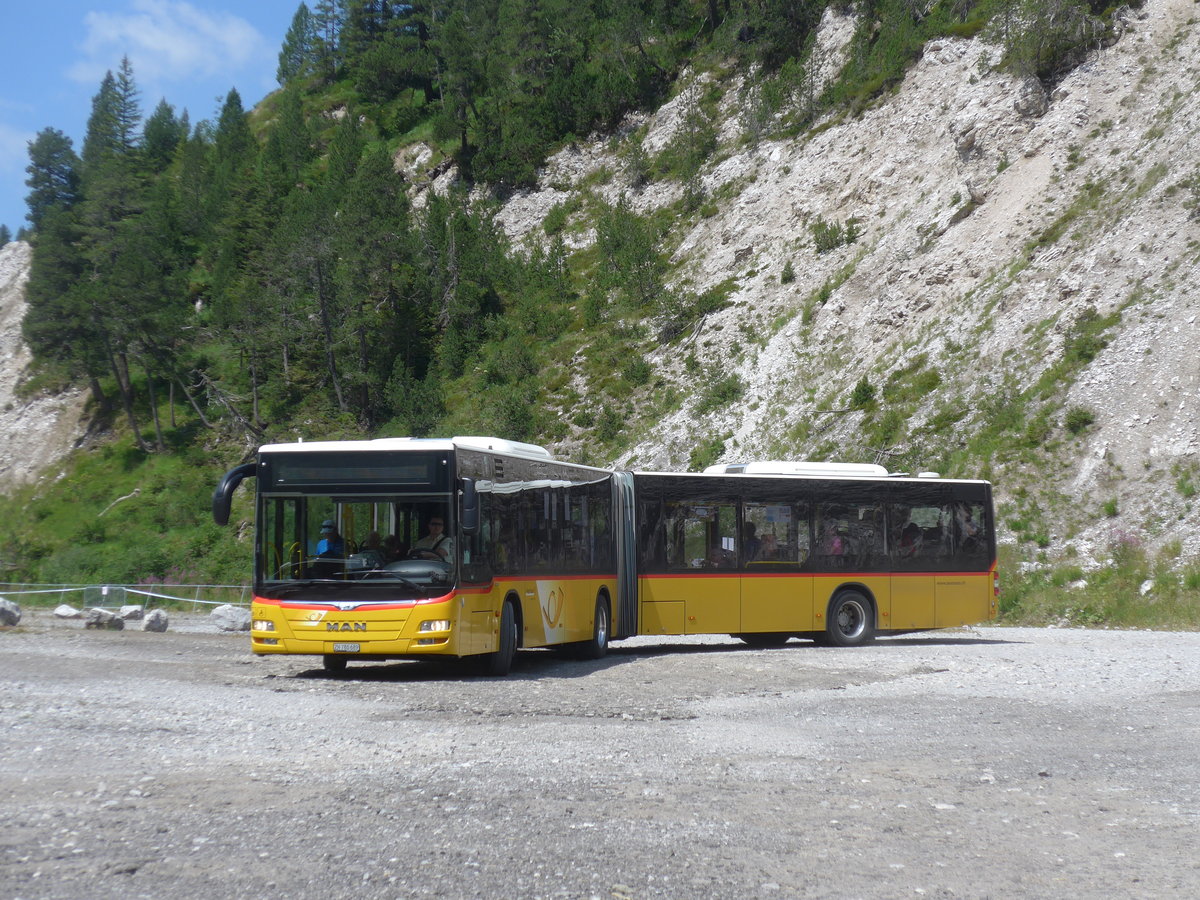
column 489, row 444
column 799, row 467
column 813, row 476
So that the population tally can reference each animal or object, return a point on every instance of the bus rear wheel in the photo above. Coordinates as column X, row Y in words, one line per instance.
column 500, row 661
column 851, row 620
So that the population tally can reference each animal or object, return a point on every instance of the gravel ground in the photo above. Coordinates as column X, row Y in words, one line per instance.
column 976, row 763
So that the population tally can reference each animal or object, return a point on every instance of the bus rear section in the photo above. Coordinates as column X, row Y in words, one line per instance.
column 838, row 560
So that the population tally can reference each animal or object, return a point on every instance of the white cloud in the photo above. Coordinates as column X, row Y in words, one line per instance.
column 168, row 42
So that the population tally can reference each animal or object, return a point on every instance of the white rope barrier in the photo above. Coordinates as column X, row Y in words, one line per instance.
column 120, row 590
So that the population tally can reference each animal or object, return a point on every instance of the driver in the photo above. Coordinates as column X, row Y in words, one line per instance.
column 436, row 543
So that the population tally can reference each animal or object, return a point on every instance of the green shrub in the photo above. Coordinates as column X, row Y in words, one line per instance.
column 1038, row 429
column 705, row 454
column 829, row 236
column 863, row 394
column 1185, row 486
column 608, row 426
column 788, row 275
column 723, row 392
column 636, row 371
column 1078, row 419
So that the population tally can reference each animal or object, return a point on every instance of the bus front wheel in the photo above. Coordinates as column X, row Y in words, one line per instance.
column 851, row 620
column 500, row 661
column 334, row 665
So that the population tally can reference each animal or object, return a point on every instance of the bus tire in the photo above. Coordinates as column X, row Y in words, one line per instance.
column 850, row 621
column 334, row 665
column 601, row 626
column 500, row 661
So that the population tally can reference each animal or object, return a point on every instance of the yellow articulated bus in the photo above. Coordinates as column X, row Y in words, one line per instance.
column 404, row 548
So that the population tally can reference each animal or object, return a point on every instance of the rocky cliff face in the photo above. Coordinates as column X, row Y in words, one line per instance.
column 1025, row 258
column 34, row 431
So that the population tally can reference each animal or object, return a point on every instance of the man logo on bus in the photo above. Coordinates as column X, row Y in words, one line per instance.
column 346, row 626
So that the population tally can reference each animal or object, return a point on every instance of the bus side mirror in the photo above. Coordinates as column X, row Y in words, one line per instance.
column 223, row 496
column 470, row 507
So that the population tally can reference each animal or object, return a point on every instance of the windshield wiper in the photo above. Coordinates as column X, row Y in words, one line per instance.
column 389, row 576
column 293, row 586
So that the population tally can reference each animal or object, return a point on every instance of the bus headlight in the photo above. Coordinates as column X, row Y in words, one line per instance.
column 262, row 625
column 434, row 625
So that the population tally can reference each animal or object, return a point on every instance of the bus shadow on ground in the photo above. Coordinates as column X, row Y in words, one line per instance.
column 544, row 663
column 527, row 665
column 801, row 645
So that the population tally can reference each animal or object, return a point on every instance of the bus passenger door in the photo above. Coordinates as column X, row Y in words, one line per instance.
column 713, row 603
column 918, row 543
column 777, row 584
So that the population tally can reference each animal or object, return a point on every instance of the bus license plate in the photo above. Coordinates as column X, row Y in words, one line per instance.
column 346, row 648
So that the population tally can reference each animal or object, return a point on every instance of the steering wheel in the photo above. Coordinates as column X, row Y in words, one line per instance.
column 426, row 553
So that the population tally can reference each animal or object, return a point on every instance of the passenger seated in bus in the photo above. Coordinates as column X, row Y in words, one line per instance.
column 751, row 545
column 911, row 540
column 968, row 529
column 393, row 549
column 502, row 551
column 717, row 558
column 331, row 543
column 372, row 550
column 837, row 545
column 770, row 547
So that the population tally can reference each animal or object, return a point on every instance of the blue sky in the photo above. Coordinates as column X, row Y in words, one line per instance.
column 55, row 53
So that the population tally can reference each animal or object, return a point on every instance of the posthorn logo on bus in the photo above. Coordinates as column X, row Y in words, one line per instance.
column 346, row 626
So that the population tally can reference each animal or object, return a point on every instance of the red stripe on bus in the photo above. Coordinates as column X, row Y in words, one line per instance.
column 515, row 578
column 741, row 574
column 396, row 604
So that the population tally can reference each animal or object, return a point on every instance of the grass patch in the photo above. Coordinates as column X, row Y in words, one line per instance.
column 1130, row 591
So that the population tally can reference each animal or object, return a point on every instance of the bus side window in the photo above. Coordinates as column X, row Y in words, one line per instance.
column 918, row 537
column 850, row 536
column 701, row 535
column 970, row 539
column 775, row 536
column 478, row 552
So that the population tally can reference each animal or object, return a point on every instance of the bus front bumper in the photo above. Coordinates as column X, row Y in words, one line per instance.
column 383, row 630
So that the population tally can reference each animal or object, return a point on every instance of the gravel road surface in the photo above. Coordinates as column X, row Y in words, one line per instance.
column 990, row 762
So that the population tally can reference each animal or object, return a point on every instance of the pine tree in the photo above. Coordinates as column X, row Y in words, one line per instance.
column 232, row 159
column 53, row 171
column 161, row 136
column 382, row 325
column 328, row 18
column 5, row 235
column 113, row 187
column 102, row 136
column 289, row 146
column 297, row 58
column 128, row 113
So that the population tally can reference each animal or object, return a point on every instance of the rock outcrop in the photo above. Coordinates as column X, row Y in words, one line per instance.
column 37, row 429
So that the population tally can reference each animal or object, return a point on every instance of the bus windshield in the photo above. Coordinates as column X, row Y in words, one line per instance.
column 394, row 546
